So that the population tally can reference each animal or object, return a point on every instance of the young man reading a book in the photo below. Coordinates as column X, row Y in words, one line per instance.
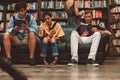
column 21, row 31
column 85, row 34
column 50, row 32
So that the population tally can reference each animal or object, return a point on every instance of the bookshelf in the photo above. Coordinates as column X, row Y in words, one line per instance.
column 1, row 17
column 99, row 9
column 7, row 10
column 115, row 22
column 56, row 7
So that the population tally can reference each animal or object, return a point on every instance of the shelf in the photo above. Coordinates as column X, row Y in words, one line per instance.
column 59, row 20
column 116, row 13
column 53, row 0
column 97, row 8
column 48, row 9
column 13, row 11
column 1, row 10
column 2, row 21
column 117, row 45
column 5, row 2
column 116, row 29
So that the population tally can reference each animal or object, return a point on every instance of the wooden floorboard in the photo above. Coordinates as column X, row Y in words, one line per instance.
column 110, row 70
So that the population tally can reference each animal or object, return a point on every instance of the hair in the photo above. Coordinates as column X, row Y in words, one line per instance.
column 47, row 13
column 88, row 11
column 20, row 5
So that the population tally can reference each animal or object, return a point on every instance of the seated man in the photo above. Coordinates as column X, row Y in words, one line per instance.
column 85, row 34
column 21, row 30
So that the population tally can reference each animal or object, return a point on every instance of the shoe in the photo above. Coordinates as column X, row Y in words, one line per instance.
column 9, row 60
column 32, row 61
column 72, row 62
column 92, row 62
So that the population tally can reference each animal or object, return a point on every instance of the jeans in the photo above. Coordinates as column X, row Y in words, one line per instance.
column 44, row 49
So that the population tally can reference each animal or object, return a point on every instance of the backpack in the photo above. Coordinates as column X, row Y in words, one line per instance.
column 18, row 22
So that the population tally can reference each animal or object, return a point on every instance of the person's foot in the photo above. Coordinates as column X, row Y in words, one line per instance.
column 72, row 62
column 92, row 62
column 54, row 62
column 32, row 61
column 45, row 63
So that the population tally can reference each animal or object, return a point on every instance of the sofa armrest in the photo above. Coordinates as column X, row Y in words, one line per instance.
column 103, row 41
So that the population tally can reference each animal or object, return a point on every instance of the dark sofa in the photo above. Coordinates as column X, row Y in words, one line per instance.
column 20, row 54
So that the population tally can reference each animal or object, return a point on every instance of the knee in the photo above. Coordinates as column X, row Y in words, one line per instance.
column 97, row 34
column 45, row 40
column 52, row 40
column 31, row 35
column 74, row 33
column 6, row 36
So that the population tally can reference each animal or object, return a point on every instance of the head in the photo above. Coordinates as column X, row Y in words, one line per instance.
column 21, row 9
column 47, row 16
column 88, row 16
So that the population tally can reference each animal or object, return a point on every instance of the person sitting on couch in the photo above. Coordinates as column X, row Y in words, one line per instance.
column 21, row 30
column 85, row 34
column 50, row 32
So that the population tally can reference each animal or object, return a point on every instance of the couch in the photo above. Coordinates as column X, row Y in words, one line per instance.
column 20, row 54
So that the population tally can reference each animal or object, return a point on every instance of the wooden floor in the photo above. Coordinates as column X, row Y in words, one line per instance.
column 110, row 70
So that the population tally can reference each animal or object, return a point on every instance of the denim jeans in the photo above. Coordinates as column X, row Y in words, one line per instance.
column 44, row 49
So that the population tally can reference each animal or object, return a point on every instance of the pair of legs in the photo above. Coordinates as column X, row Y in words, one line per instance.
column 43, row 54
column 9, row 39
column 94, row 39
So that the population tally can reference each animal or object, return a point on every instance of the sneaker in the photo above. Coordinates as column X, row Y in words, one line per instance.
column 72, row 62
column 92, row 62
column 32, row 61
column 9, row 60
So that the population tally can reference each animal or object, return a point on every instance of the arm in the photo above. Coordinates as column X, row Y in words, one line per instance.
column 76, row 8
column 10, row 25
column 33, row 25
column 94, row 29
column 58, row 31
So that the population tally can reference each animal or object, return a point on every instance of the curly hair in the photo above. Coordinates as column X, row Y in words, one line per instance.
column 20, row 5
column 47, row 13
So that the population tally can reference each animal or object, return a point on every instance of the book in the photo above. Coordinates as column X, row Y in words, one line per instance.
column 98, row 14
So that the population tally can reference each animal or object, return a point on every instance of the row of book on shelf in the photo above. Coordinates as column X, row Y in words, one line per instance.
column 117, row 34
column 59, row 4
column 30, row 6
column 117, row 42
column 116, row 16
column 115, row 9
column 115, row 26
column 118, row 49
column 117, row 1
column 8, row 15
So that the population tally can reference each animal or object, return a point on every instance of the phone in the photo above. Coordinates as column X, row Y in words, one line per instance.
column 19, row 22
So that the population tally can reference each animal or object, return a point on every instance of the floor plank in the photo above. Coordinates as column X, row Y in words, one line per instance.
column 110, row 70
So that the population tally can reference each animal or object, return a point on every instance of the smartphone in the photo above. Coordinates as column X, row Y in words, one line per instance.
column 19, row 22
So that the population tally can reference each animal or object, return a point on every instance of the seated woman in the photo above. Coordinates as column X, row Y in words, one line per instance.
column 50, row 31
